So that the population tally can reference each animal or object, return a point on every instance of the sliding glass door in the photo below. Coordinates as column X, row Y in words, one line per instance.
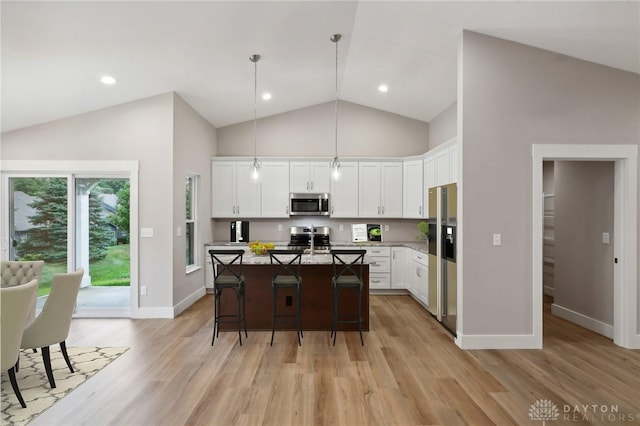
column 74, row 221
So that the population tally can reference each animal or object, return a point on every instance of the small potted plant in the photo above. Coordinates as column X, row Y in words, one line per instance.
column 423, row 229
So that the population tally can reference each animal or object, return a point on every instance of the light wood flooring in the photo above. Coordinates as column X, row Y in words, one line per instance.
column 408, row 373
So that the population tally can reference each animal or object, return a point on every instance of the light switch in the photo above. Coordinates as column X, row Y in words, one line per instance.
column 497, row 239
column 178, row 231
column 605, row 237
column 146, row 232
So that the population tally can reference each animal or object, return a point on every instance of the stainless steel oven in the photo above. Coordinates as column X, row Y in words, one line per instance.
column 309, row 204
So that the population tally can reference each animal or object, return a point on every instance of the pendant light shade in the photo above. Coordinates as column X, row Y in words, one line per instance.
column 335, row 164
column 255, row 168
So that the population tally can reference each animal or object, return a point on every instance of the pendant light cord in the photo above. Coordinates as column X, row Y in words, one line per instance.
column 335, row 165
column 255, row 105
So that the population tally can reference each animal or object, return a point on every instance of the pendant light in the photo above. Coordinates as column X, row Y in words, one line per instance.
column 335, row 164
column 255, row 168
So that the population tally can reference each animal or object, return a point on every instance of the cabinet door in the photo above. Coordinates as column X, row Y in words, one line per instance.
column 344, row 191
column 320, row 177
column 275, row 189
column 412, row 189
column 369, row 189
column 442, row 167
column 247, row 191
column 299, row 177
column 398, row 268
column 422, row 282
column 453, row 163
column 391, row 189
column 223, row 184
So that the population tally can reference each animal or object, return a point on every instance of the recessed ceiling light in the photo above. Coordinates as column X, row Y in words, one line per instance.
column 107, row 79
column 266, row 96
column 383, row 88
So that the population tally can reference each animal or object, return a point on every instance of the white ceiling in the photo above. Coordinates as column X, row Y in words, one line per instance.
column 53, row 53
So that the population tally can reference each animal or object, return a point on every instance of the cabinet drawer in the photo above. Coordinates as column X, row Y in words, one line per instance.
column 379, row 264
column 379, row 251
column 379, row 281
column 419, row 257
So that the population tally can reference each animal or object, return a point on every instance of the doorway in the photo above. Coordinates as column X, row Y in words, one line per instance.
column 578, row 242
column 625, row 292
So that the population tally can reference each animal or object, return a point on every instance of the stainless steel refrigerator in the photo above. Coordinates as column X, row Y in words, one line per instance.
column 442, row 254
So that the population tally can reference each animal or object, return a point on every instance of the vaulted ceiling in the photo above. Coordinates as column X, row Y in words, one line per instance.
column 54, row 53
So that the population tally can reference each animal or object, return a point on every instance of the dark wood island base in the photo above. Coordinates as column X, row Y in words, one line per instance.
column 316, row 300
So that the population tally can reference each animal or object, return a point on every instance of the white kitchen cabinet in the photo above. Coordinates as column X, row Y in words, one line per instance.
column 419, row 276
column 399, row 267
column 310, row 177
column 380, row 189
column 453, row 163
column 233, row 194
column 429, row 166
column 275, row 189
column 442, row 167
column 412, row 189
column 379, row 259
column 344, row 191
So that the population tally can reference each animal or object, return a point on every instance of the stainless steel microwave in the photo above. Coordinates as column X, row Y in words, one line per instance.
column 309, row 204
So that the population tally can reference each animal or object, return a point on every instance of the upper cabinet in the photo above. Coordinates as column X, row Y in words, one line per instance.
column 233, row 194
column 380, row 189
column 275, row 189
column 441, row 165
column 344, row 191
column 412, row 189
column 309, row 176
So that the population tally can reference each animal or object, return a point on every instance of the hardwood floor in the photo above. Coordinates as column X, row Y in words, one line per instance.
column 408, row 373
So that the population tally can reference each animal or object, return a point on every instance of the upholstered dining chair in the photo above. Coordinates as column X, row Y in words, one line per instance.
column 51, row 326
column 18, row 272
column 14, row 302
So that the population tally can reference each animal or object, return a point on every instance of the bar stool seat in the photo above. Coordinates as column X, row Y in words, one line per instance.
column 347, row 274
column 285, row 274
column 227, row 273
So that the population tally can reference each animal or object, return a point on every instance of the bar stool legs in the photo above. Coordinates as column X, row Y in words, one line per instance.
column 358, row 319
column 275, row 316
column 240, row 317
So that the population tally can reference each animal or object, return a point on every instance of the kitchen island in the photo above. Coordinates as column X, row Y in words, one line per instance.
column 316, row 296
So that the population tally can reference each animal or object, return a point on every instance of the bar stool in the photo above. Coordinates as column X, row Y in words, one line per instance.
column 285, row 274
column 347, row 274
column 227, row 274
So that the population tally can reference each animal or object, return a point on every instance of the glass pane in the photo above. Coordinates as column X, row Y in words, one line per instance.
column 102, row 242
column 38, row 225
column 190, row 258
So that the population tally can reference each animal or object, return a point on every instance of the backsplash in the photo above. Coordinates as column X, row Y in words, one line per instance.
column 268, row 229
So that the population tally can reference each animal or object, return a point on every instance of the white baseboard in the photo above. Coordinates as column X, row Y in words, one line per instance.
column 188, row 301
column 583, row 320
column 547, row 290
column 526, row 341
column 159, row 312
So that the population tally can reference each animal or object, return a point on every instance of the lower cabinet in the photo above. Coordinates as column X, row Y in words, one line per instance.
column 419, row 276
column 399, row 268
column 379, row 268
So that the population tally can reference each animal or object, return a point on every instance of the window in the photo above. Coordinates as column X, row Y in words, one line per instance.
column 191, row 223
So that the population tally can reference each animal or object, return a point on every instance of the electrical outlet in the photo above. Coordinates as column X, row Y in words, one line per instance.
column 386, row 228
column 280, row 227
column 497, row 239
column 341, row 227
column 605, row 238
column 143, row 290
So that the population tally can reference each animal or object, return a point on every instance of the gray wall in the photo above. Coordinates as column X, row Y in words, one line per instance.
column 310, row 132
column 584, row 264
column 444, row 126
column 142, row 130
column 194, row 141
column 514, row 96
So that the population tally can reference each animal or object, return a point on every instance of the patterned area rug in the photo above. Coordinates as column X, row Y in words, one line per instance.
column 34, row 385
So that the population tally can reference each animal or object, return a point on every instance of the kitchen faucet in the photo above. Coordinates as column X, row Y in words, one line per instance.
column 312, row 238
